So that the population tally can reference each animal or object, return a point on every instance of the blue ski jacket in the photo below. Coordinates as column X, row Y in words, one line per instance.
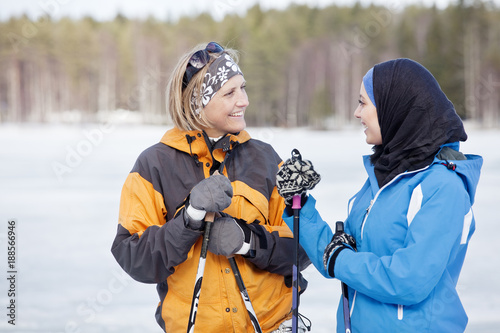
column 412, row 236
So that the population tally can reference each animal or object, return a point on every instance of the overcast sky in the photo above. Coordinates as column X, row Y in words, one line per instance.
column 166, row 9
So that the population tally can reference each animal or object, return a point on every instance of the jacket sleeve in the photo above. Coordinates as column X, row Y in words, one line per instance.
column 315, row 234
column 275, row 242
column 438, row 231
column 146, row 246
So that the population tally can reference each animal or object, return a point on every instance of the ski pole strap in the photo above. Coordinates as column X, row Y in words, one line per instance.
column 244, row 295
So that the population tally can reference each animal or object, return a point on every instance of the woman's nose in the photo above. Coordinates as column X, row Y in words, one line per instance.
column 243, row 99
column 357, row 112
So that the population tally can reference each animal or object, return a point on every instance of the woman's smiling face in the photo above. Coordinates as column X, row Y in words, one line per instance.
column 226, row 109
column 367, row 113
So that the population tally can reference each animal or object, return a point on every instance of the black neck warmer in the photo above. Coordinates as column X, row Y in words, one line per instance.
column 415, row 116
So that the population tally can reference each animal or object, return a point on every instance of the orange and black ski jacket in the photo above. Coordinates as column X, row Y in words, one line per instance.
column 153, row 246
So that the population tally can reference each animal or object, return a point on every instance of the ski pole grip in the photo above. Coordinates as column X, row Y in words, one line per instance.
column 339, row 226
column 210, row 216
column 296, row 203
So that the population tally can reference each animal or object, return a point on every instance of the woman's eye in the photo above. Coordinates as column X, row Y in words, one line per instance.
column 360, row 102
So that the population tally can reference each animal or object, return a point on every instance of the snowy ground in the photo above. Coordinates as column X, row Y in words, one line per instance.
column 62, row 185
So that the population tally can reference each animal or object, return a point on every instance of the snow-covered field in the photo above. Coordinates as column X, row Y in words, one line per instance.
column 61, row 185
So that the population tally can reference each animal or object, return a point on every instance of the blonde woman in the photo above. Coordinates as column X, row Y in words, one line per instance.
column 171, row 188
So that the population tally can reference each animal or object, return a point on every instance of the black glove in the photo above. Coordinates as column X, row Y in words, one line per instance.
column 230, row 236
column 340, row 241
column 212, row 194
column 295, row 177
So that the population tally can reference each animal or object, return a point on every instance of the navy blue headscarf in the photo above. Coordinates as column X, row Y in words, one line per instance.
column 415, row 116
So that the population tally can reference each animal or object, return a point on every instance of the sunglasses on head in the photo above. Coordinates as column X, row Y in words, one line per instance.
column 198, row 60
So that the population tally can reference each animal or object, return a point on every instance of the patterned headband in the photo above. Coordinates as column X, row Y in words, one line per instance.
column 218, row 73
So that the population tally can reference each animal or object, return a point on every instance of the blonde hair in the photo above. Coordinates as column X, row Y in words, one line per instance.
column 179, row 105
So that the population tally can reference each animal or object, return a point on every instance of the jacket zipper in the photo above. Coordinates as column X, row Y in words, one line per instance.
column 400, row 307
column 366, row 215
column 353, row 302
column 380, row 190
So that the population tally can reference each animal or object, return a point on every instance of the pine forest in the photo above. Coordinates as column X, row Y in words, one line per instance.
column 303, row 65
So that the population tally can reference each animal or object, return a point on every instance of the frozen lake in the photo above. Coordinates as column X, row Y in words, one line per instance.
column 62, row 186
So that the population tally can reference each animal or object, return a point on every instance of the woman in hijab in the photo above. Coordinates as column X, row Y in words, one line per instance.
column 408, row 228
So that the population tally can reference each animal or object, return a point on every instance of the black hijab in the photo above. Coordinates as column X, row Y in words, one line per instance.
column 415, row 116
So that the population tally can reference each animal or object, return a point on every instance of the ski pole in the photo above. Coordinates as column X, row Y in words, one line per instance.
column 296, row 206
column 339, row 227
column 209, row 219
column 244, row 295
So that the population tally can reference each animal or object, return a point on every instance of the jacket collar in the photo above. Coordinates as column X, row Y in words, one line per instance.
column 469, row 170
column 193, row 142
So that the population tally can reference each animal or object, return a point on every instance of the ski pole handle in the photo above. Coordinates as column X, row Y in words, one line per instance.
column 209, row 219
column 296, row 206
column 296, row 202
column 339, row 227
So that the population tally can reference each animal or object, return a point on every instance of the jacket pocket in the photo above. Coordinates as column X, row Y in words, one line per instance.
column 248, row 204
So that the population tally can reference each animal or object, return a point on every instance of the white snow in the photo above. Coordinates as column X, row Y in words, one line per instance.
column 62, row 186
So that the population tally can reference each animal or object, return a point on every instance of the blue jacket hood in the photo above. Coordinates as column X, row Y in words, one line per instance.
column 469, row 169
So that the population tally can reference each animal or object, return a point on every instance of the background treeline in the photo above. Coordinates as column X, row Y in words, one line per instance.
column 303, row 65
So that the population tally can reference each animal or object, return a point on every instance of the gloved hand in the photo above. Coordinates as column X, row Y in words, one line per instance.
column 212, row 194
column 230, row 236
column 340, row 241
column 296, row 177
